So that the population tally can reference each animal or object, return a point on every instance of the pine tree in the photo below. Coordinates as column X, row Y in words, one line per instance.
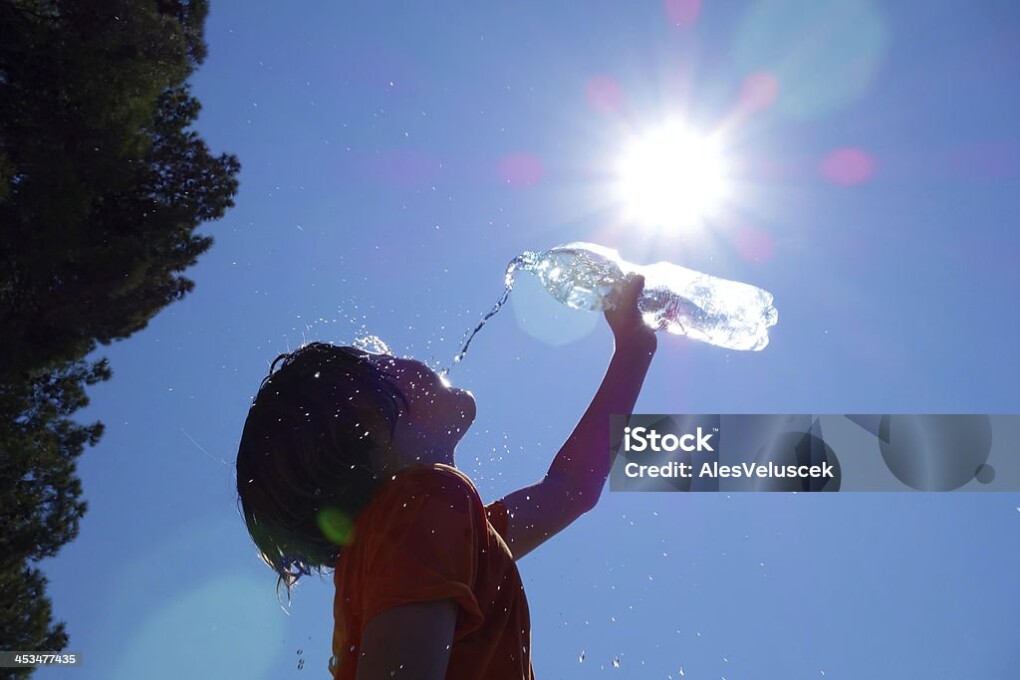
column 102, row 185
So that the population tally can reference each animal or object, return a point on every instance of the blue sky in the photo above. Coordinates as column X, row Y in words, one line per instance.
column 397, row 155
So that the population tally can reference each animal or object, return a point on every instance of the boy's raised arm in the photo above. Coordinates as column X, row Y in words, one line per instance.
column 579, row 471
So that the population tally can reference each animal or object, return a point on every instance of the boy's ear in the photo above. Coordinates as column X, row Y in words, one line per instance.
column 372, row 423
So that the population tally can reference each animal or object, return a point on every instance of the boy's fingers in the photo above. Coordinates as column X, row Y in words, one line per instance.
column 626, row 294
column 635, row 284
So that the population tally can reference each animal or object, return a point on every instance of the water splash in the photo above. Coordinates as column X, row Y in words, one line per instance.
column 371, row 343
column 526, row 258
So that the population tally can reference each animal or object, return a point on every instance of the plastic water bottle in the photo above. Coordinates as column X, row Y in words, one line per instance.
column 678, row 300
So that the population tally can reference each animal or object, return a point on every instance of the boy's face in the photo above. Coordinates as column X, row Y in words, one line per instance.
column 438, row 415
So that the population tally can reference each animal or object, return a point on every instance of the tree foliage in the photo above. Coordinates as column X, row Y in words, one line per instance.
column 102, row 186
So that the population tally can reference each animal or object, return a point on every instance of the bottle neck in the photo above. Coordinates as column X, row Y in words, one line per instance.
column 528, row 261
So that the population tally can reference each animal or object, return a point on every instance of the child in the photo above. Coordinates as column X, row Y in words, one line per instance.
column 347, row 461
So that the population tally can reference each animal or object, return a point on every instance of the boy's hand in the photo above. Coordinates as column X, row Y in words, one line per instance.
column 625, row 319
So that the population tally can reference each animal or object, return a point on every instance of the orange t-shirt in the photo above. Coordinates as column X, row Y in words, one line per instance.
column 425, row 536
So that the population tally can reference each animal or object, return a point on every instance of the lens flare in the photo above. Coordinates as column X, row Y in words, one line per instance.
column 758, row 91
column 603, row 94
column 521, row 169
column 848, row 167
column 682, row 13
column 335, row 525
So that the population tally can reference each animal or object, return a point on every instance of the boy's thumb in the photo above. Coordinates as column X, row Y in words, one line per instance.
column 636, row 281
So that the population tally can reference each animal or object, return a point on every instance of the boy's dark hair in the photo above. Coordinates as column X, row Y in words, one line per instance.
column 304, row 470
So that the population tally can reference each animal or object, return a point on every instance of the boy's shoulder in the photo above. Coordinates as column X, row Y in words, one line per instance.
column 432, row 494
column 440, row 477
column 436, row 479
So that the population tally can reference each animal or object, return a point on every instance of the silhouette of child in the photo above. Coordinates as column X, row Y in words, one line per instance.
column 346, row 461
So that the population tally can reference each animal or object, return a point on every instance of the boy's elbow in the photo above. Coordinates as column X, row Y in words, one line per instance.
column 585, row 499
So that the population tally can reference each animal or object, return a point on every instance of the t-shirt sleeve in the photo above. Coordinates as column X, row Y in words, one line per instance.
column 498, row 517
column 427, row 550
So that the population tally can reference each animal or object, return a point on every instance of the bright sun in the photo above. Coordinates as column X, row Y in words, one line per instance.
column 670, row 177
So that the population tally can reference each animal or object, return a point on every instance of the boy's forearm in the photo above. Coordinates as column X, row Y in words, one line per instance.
column 587, row 456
